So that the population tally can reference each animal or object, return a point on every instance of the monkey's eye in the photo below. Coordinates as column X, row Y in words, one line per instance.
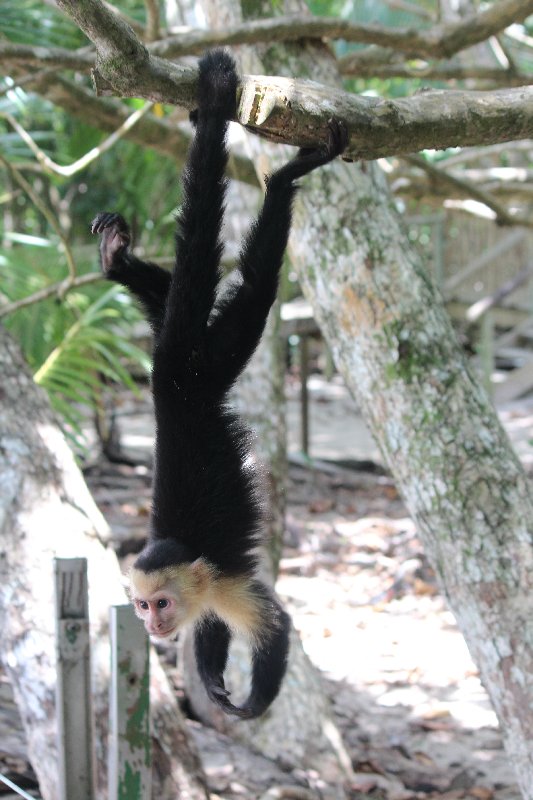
column 143, row 604
column 162, row 603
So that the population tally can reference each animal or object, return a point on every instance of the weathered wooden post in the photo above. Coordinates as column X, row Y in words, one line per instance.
column 129, row 708
column 73, row 695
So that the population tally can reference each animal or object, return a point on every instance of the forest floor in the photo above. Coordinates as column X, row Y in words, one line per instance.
column 404, row 692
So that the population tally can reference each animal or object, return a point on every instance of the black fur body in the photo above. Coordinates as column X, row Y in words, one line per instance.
column 205, row 502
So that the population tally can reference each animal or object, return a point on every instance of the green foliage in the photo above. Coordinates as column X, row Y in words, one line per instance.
column 34, row 23
column 73, row 344
column 78, row 345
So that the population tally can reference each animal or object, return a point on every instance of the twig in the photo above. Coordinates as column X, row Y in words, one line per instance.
column 152, row 20
column 496, row 76
column 88, row 158
column 45, row 211
column 60, row 289
column 503, row 216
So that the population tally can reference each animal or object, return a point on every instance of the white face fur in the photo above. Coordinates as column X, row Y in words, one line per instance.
column 160, row 613
column 168, row 599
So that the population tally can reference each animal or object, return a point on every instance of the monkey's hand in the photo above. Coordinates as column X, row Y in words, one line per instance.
column 217, row 85
column 115, row 239
column 309, row 158
column 219, row 695
column 335, row 145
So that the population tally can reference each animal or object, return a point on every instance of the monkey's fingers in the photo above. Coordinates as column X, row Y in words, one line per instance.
column 218, row 694
column 107, row 219
column 337, row 138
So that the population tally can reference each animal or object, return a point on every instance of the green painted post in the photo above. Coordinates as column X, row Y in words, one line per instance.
column 73, row 689
column 130, row 765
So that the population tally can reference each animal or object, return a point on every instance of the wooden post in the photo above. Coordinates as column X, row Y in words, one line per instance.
column 73, row 696
column 129, row 708
column 304, row 394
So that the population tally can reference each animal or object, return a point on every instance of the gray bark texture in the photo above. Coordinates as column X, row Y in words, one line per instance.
column 395, row 347
column 45, row 511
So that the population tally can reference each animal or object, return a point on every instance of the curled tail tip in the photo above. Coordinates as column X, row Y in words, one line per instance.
column 217, row 83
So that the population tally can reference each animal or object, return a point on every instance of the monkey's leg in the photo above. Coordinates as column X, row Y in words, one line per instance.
column 148, row 282
column 198, row 246
column 212, row 638
column 241, row 314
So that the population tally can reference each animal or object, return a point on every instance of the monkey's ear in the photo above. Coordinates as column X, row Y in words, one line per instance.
column 202, row 573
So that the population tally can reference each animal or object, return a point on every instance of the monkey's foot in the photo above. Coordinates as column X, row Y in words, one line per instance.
column 335, row 145
column 115, row 234
column 217, row 84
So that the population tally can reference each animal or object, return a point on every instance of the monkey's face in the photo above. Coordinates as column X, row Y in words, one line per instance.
column 169, row 598
column 161, row 613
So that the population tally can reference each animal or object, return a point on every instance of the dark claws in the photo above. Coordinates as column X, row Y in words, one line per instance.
column 105, row 219
column 218, row 694
column 337, row 137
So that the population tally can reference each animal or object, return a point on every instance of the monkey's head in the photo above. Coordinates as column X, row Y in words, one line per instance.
column 168, row 596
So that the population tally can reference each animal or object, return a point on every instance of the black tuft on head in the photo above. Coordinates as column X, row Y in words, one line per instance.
column 160, row 553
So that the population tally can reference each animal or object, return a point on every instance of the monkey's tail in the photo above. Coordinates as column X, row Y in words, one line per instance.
column 270, row 654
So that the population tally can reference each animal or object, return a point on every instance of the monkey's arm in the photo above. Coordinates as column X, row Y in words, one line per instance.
column 148, row 282
column 269, row 660
column 241, row 315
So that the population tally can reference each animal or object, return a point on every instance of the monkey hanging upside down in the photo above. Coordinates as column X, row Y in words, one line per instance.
column 198, row 566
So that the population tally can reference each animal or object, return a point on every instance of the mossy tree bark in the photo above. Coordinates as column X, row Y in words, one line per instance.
column 395, row 347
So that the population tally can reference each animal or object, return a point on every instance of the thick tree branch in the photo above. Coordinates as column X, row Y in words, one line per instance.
column 297, row 112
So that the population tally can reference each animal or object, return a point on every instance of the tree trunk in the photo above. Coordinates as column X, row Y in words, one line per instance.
column 395, row 347
column 46, row 511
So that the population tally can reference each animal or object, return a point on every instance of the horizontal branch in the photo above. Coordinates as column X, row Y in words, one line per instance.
column 40, row 57
column 502, row 215
column 438, row 41
column 112, row 34
column 297, row 112
column 59, row 289
column 480, row 74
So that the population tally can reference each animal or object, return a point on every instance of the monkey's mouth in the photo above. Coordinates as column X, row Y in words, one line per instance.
column 164, row 634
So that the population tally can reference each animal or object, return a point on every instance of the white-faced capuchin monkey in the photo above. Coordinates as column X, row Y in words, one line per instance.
column 198, row 565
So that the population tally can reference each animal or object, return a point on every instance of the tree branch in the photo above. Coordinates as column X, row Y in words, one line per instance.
column 438, row 41
column 496, row 76
column 108, row 114
column 502, row 215
column 45, row 211
column 60, row 289
column 50, row 166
